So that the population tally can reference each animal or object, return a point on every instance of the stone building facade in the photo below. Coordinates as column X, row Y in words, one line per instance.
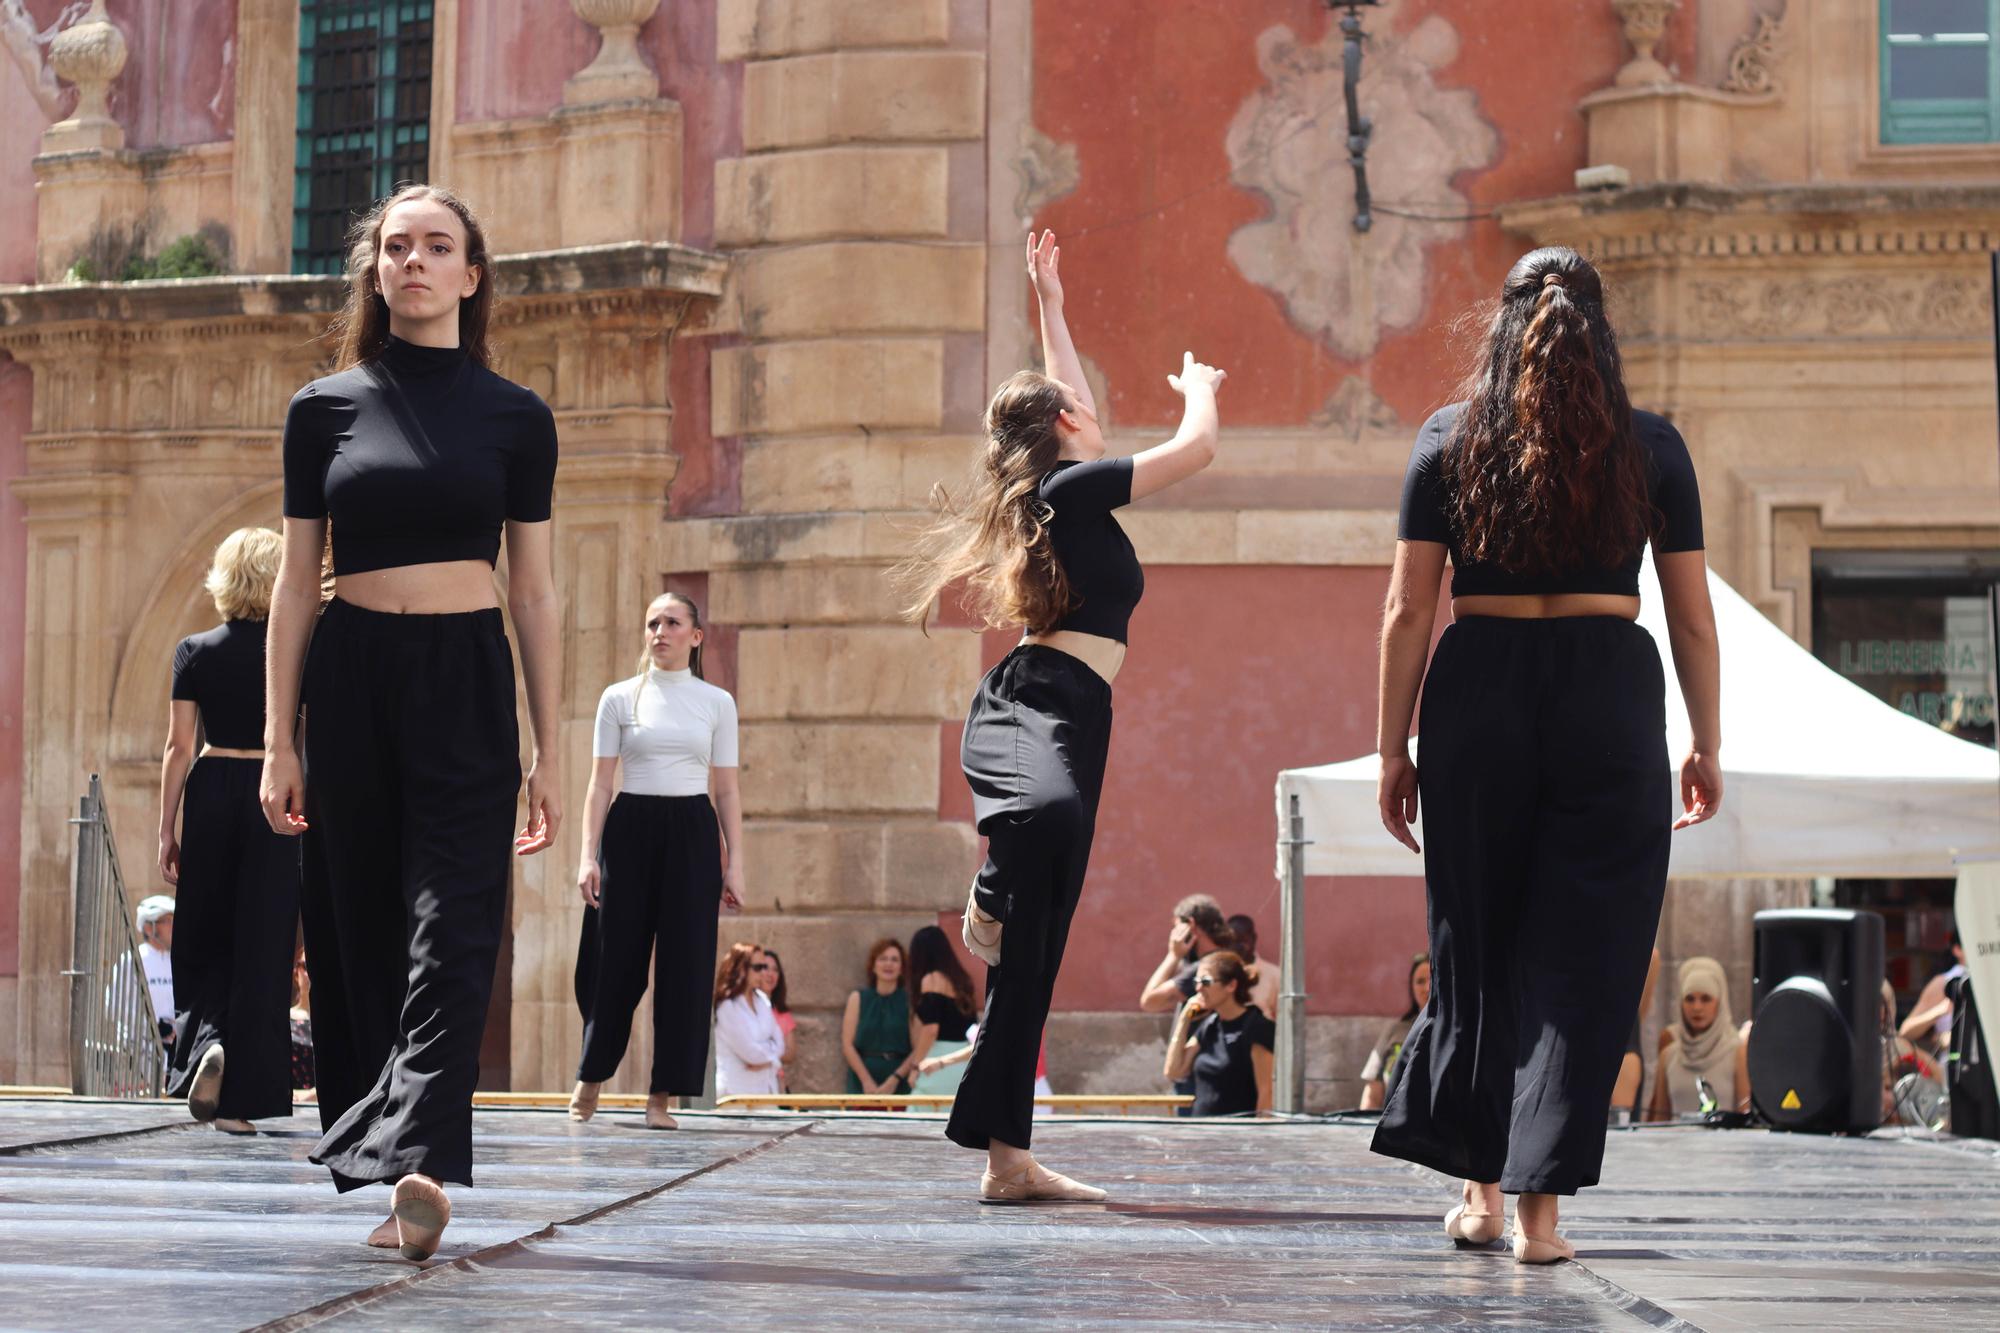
column 762, row 257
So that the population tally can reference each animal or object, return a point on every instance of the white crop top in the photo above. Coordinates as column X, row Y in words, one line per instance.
column 684, row 727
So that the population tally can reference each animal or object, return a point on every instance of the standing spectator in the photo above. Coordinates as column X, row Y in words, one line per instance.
column 1222, row 1043
column 946, row 1005
column 1263, row 971
column 749, row 1045
column 772, row 981
column 1929, row 1023
column 1198, row 931
column 155, row 919
column 875, row 1030
column 1381, row 1066
column 1703, row 1044
column 303, row 1081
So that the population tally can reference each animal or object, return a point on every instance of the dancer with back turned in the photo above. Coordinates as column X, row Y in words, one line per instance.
column 1037, row 546
column 1546, row 789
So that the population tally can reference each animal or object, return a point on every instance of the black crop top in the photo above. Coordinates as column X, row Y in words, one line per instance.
column 417, row 457
column 952, row 1022
column 1105, row 580
column 1427, row 513
column 221, row 672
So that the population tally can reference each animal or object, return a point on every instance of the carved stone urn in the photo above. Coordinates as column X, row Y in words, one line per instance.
column 1645, row 23
column 89, row 53
column 619, row 73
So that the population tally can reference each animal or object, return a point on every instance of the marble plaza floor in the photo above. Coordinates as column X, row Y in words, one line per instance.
column 128, row 1216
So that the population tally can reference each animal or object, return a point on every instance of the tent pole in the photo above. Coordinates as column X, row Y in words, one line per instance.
column 1288, row 1096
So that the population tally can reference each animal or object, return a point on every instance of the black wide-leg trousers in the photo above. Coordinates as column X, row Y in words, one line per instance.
column 1547, row 806
column 1035, row 743
column 236, row 918
column 661, row 894
column 412, row 773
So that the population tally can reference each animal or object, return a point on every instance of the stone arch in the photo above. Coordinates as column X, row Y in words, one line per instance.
column 175, row 606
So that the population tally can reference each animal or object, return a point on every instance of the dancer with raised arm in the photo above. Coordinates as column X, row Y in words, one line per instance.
column 1546, row 790
column 1038, row 546
column 657, row 869
column 418, row 457
column 237, row 881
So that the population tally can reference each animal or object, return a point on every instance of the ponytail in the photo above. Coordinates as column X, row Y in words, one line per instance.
column 1546, row 474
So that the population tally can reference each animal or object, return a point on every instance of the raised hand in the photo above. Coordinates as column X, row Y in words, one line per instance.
column 1044, row 264
column 1196, row 376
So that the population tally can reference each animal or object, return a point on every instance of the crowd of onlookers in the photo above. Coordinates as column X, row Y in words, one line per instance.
column 1225, row 1035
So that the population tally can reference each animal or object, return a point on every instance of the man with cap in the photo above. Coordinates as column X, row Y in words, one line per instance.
column 156, row 943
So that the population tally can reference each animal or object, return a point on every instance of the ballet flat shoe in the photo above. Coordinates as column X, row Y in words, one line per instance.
column 234, row 1126
column 1052, row 1187
column 1541, row 1249
column 1473, row 1229
column 385, row 1236
column 659, row 1117
column 205, row 1092
column 980, row 932
column 582, row 1106
column 422, row 1213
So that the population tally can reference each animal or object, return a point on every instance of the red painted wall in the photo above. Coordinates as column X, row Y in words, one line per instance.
column 179, row 82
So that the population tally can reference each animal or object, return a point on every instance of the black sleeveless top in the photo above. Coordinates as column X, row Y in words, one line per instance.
column 1427, row 513
column 1105, row 580
column 417, row 457
column 221, row 672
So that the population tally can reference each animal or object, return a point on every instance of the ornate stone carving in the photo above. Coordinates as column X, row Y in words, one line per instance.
column 1938, row 305
column 89, row 53
column 1645, row 23
column 1047, row 169
column 1753, row 65
column 1288, row 144
column 24, row 45
column 619, row 73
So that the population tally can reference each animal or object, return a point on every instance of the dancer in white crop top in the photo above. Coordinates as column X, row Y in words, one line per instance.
column 659, row 862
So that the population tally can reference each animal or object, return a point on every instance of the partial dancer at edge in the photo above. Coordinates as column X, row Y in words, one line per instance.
column 238, row 882
column 1547, row 792
column 1038, row 546
column 418, row 456
column 666, row 868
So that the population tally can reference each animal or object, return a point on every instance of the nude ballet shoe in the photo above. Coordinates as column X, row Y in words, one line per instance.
column 1551, row 1249
column 422, row 1213
column 205, row 1092
column 1470, row 1229
column 385, row 1236
column 1027, row 1186
column 658, row 1115
column 582, row 1104
column 980, row 932
column 234, row 1126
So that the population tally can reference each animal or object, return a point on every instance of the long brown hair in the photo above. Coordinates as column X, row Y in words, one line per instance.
column 998, row 541
column 732, row 978
column 1544, row 472
column 362, row 326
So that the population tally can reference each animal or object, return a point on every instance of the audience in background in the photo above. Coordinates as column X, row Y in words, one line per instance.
column 946, row 1006
column 876, row 1030
column 749, row 1045
column 1263, row 971
column 304, row 1077
column 1221, row 1043
column 772, row 983
column 1198, row 931
column 1632, row 1069
column 155, row 917
column 1381, row 1066
column 1929, row 1023
column 1701, row 1046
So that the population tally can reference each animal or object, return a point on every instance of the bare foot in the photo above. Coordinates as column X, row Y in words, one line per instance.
column 422, row 1213
column 583, row 1101
column 385, row 1236
column 659, row 1112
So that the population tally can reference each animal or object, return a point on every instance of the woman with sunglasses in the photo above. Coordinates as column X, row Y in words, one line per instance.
column 1225, row 1044
column 749, row 1045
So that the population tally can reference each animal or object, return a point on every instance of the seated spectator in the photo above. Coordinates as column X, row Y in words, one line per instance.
column 946, row 1006
column 1381, row 1066
column 772, row 983
column 749, row 1047
column 1929, row 1023
column 1702, row 1045
column 1222, row 1043
column 875, row 1028
column 304, row 1077
column 1632, row 1069
column 1263, row 971
column 1900, row 1059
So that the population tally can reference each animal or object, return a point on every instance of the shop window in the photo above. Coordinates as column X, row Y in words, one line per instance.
column 364, row 117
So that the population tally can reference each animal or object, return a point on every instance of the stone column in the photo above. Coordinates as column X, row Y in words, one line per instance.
column 859, row 295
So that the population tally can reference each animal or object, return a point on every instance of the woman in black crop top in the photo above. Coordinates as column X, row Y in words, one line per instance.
column 1038, row 545
column 1545, row 783
column 236, row 903
column 416, row 458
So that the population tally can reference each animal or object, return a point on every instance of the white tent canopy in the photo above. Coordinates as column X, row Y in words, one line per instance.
column 1820, row 777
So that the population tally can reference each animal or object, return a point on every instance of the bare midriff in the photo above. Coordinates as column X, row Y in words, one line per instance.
column 224, row 752
column 1547, row 606
column 444, row 588
column 1102, row 655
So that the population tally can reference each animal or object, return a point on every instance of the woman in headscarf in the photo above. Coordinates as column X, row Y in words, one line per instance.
column 1702, row 1043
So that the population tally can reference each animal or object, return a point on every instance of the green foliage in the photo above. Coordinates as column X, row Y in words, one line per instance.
column 192, row 256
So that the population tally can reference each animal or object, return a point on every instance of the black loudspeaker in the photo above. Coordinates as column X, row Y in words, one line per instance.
column 1816, row 1042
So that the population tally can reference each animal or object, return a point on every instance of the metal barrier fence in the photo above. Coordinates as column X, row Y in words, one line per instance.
column 114, row 1037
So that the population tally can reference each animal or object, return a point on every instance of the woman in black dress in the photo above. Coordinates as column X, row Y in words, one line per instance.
column 1546, row 787
column 237, row 882
column 1038, row 546
column 417, row 457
